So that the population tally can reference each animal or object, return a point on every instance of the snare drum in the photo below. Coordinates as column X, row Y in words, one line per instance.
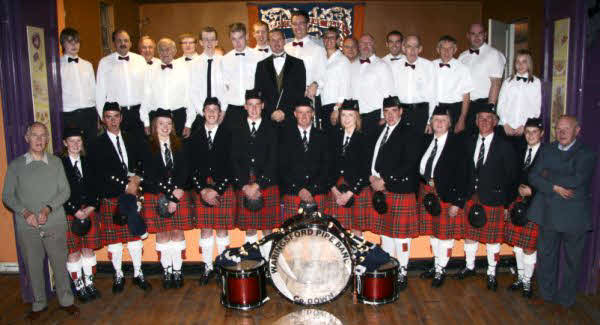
column 244, row 285
column 312, row 263
column 378, row 287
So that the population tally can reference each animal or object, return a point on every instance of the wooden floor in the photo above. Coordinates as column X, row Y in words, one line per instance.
column 457, row 302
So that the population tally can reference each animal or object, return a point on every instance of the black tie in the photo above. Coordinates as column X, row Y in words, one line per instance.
column 471, row 51
column 168, row 158
column 521, row 79
column 275, row 56
column 394, row 59
column 208, row 79
column 481, row 155
column 188, row 59
column 253, row 130
column 345, row 145
column 264, row 50
column 528, row 159
column 80, row 177
column 121, row 153
column 305, row 142
column 69, row 60
column 126, row 58
column 444, row 65
column 165, row 66
column 429, row 164
column 412, row 66
column 149, row 62
column 210, row 140
column 242, row 54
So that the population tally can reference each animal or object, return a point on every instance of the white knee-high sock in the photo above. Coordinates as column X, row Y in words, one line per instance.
column 252, row 239
column 519, row 257
column 116, row 257
column 434, row 242
column 492, row 254
column 74, row 269
column 165, row 255
column 207, row 251
column 387, row 244
column 176, row 253
column 403, row 251
column 135, row 251
column 222, row 243
column 528, row 266
column 88, row 264
column 470, row 251
column 444, row 251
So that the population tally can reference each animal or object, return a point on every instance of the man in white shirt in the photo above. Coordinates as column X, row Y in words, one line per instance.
column 78, row 87
column 167, row 87
column 415, row 85
column 312, row 53
column 261, row 35
column 188, row 47
column 146, row 47
column 120, row 79
column 335, row 81
column 238, row 67
column 393, row 42
column 486, row 65
column 205, row 78
column 454, row 83
column 350, row 49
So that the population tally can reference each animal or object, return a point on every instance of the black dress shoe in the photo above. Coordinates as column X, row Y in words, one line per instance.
column 492, row 284
column 118, row 284
column 428, row 274
column 516, row 285
column 140, row 282
column 81, row 294
column 177, row 279
column 402, row 282
column 527, row 290
column 92, row 291
column 167, row 280
column 465, row 272
column 206, row 276
column 35, row 315
column 438, row 279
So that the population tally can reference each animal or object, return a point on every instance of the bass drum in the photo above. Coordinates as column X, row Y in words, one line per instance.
column 244, row 285
column 312, row 263
column 380, row 286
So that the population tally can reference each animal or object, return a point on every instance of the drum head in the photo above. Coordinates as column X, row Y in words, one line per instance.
column 245, row 265
column 392, row 264
column 310, row 265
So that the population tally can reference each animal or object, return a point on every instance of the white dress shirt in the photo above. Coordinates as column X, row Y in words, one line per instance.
column 191, row 58
column 256, row 124
column 519, row 100
column 78, row 161
column 78, row 84
column 120, row 81
column 488, row 142
column 416, row 85
column 213, row 132
column 370, row 83
column 313, row 55
column 199, row 81
column 238, row 75
column 334, row 86
column 441, row 142
column 489, row 63
column 279, row 61
column 167, row 89
column 113, row 139
column 301, row 130
column 396, row 59
column 452, row 83
column 378, row 144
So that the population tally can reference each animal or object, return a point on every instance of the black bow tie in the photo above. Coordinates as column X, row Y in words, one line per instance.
column 149, row 62
column 394, row 59
column 301, row 44
column 165, row 66
column 264, row 50
column 444, row 65
column 406, row 64
column 522, row 79
column 188, row 59
column 280, row 56
column 364, row 61
column 471, row 51
column 69, row 60
column 126, row 58
column 242, row 54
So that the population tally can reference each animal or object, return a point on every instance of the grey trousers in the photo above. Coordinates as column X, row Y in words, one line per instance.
column 34, row 247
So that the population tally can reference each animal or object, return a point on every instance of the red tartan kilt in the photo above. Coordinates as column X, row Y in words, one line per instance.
column 524, row 237
column 221, row 217
column 291, row 203
column 91, row 240
column 402, row 218
column 183, row 218
column 269, row 217
column 111, row 233
column 443, row 226
column 358, row 215
column 492, row 231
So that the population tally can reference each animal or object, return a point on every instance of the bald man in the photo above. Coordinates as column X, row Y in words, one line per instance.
column 350, row 49
column 147, row 47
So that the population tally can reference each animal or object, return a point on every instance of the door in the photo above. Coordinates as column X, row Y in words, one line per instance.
column 501, row 36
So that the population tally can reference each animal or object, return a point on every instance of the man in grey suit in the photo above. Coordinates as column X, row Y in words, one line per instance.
column 35, row 188
column 562, row 209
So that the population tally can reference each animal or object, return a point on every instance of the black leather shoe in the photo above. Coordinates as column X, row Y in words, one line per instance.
column 465, row 272
column 438, row 279
column 527, row 290
column 492, row 284
column 516, row 285
column 81, row 294
column 177, row 279
column 206, row 276
column 118, row 284
column 167, row 280
column 402, row 282
column 141, row 283
column 92, row 291
column 428, row 274
column 35, row 315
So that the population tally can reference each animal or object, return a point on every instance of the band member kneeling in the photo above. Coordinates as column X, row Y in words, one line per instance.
column 83, row 235
column 254, row 163
column 214, row 197
column 168, row 207
column 394, row 174
column 441, row 193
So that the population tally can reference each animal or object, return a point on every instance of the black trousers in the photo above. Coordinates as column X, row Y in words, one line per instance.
column 179, row 117
column 518, row 142
column 454, row 109
column 323, row 116
column 370, row 122
column 131, row 122
column 474, row 107
column 417, row 115
column 234, row 116
column 84, row 118
column 198, row 123
column 548, row 254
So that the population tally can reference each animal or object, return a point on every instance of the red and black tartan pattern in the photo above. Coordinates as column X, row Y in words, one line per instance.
column 291, row 203
column 221, row 217
column 443, row 226
column 402, row 218
column 357, row 216
column 183, row 218
column 493, row 230
column 92, row 240
column 524, row 237
column 269, row 217
column 111, row 233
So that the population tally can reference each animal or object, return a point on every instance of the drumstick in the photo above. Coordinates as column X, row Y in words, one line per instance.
column 279, row 100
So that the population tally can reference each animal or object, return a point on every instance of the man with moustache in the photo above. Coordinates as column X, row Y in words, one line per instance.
column 146, row 47
column 120, row 79
column 261, row 35
column 350, row 49
column 393, row 42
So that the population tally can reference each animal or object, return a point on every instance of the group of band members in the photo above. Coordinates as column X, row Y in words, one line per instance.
column 227, row 138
